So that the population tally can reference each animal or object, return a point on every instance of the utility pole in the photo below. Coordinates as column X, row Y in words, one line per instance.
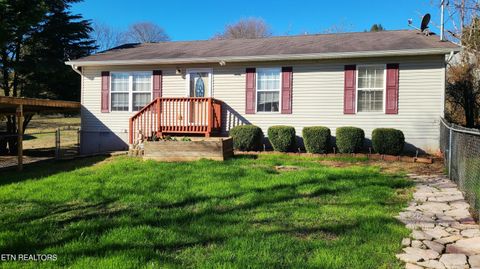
column 442, row 14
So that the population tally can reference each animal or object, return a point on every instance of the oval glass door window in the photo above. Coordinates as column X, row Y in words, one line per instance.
column 199, row 84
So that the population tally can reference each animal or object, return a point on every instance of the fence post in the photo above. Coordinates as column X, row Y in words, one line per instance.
column 57, row 143
column 79, row 133
column 450, row 153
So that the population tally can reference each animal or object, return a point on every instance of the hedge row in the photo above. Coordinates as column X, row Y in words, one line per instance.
column 317, row 139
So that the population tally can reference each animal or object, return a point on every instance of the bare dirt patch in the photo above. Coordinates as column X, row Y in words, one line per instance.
column 418, row 168
column 284, row 168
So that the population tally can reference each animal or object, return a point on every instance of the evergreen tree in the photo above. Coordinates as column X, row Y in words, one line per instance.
column 36, row 38
column 62, row 36
column 377, row 28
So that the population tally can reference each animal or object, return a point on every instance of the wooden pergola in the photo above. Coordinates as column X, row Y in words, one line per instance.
column 24, row 106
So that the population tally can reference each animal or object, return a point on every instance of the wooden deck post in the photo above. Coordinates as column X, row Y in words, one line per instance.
column 130, row 131
column 20, row 137
column 210, row 117
column 159, row 118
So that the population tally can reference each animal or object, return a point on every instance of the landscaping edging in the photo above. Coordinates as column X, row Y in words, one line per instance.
column 389, row 158
column 444, row 234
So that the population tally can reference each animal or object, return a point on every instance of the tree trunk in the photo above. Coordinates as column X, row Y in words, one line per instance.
column 469, row 109
column 11, row 132
column 6, row 90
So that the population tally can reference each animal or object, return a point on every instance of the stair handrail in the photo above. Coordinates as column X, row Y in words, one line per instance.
column 136, row 115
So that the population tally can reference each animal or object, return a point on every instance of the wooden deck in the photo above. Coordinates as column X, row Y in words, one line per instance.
column 176, row 115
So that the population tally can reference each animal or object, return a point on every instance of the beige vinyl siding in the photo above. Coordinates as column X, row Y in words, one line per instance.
column 317, row 97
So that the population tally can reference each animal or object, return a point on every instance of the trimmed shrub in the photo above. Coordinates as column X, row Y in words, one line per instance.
column 316, row 139
column 388, row 141
column 282, row 138
column 349, row 139
column 247, row 137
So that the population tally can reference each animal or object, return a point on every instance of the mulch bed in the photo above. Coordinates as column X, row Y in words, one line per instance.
column 389, row 158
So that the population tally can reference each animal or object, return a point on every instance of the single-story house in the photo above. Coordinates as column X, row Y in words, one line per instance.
column 390, row 79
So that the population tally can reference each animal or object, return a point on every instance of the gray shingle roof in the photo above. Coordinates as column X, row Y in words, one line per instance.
column 399, row 40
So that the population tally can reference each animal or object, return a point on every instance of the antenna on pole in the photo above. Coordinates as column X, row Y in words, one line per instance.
column 442, row 14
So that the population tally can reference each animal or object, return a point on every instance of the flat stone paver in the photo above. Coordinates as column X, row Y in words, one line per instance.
column 444, row 234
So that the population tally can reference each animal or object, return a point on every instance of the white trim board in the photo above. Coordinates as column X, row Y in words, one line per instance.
column 278, row 57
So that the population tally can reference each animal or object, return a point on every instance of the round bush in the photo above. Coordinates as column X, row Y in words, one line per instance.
column 349, row 139
column 388, row 141
column 247, row 137
column 316, row 139
column 282, row 138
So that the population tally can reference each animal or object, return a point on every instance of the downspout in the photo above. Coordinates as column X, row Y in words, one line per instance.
column 75, row 68
column 79, row 133
column 450, row 57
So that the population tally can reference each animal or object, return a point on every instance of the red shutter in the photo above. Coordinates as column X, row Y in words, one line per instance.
column 105, row 91
column 349, row 90
column 391, row 106
column 286, row 90
column 250, row 91
column 157, row 84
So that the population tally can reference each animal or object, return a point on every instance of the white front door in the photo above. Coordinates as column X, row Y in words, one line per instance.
column 199, row 82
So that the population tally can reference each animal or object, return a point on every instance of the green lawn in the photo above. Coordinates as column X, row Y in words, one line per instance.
column 242, row 213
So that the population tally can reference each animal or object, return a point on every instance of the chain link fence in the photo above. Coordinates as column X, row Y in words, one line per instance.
column 461, row 149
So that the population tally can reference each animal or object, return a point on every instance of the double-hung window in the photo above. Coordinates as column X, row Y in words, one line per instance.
column 130, row 91
column 120, row 91
column 370, row 88
column 268, row 89
column 141, row 90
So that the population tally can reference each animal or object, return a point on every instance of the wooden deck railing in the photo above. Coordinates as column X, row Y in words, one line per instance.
column 176, row 115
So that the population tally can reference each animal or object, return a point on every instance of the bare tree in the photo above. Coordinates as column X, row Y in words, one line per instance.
column 145, row 32
column 245, row 28
column 341, row 27
column 105, row 36
column 460, row 14
column 463, row 88
column 463, row 93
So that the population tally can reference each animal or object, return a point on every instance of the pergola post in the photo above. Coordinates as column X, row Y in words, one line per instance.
column 20, row 136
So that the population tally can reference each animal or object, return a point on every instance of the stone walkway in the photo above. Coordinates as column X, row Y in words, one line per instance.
column 444, row 235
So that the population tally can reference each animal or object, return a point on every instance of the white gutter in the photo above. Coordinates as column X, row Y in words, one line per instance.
column 278, row 57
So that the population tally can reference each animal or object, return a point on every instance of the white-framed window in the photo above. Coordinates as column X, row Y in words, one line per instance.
column 130, row 91
column 268, row 89
column 371, row 88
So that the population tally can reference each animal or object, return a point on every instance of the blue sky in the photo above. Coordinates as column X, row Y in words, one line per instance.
column 195, row 20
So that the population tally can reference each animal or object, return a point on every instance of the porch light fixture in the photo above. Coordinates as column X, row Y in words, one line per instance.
column 222, row 63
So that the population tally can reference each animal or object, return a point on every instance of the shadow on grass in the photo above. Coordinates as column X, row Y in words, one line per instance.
column 27, row 137
column 201, row 220
column 45, row 168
